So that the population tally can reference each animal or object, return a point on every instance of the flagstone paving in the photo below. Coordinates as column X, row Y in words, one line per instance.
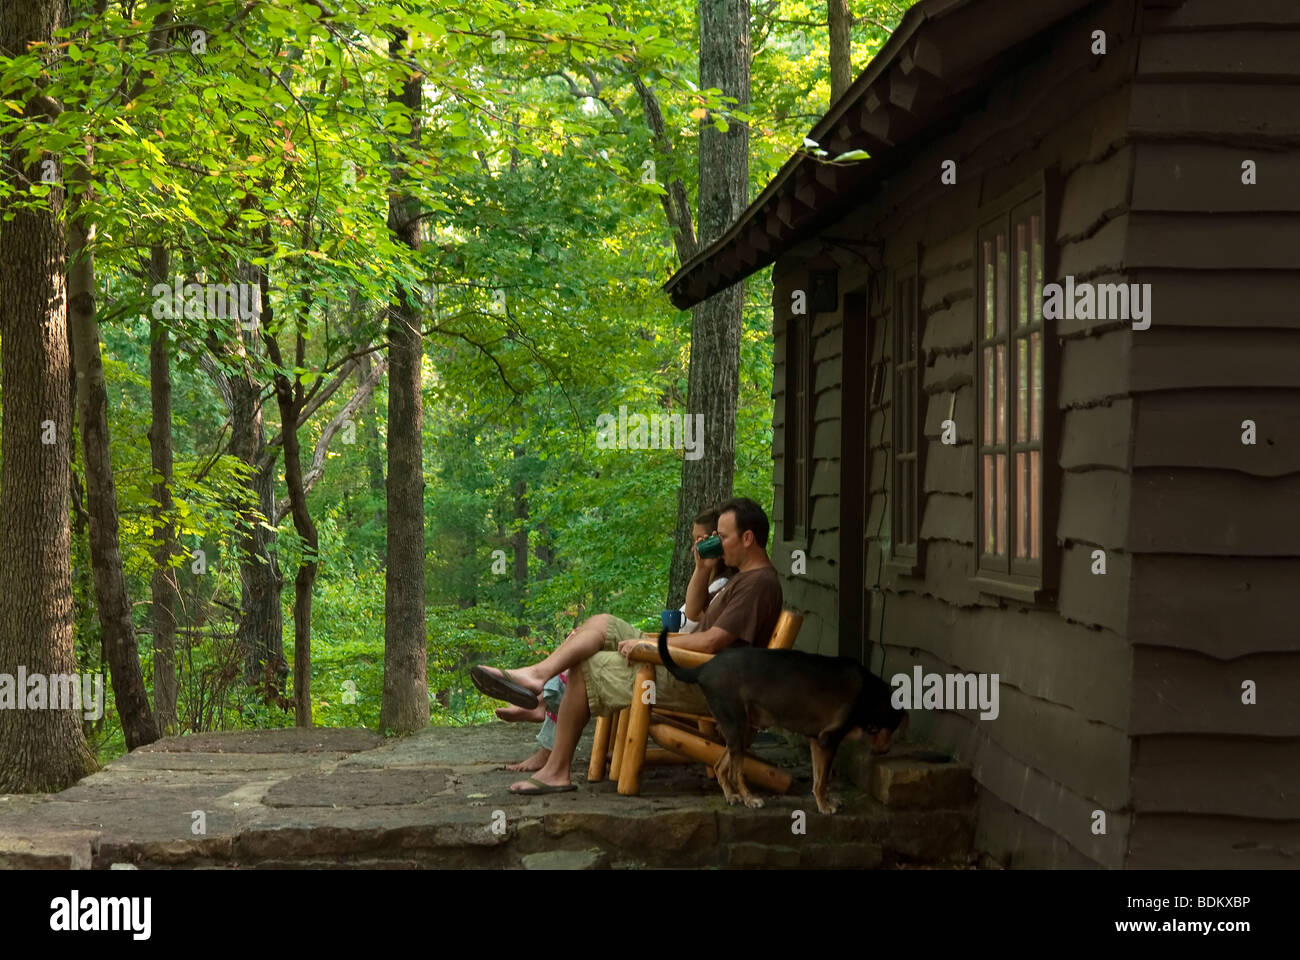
column 347, row 798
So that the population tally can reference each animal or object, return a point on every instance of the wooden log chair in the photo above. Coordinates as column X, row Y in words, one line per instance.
column 682, row 737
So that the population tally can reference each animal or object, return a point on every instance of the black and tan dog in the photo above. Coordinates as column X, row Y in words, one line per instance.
column 828, row 699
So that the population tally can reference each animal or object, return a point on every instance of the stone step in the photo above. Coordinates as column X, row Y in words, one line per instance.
column 73, row 850
column 787, row 832
column 815, row 855
column 594, row 859
column 910, row 776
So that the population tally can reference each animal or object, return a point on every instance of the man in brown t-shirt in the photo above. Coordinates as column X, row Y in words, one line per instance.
column 744, row 611
column 747, row 608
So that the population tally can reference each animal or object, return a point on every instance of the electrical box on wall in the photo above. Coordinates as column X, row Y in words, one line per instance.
column 824, row 286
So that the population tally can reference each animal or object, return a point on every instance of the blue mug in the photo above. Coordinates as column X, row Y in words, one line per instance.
column 671, row 620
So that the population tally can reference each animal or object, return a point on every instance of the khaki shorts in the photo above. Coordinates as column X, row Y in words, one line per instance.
column 610, row 679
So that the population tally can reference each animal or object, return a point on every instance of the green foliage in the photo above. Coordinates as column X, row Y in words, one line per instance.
column 543, row 248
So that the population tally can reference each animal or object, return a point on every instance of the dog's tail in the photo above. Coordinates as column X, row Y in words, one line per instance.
column 684, row 674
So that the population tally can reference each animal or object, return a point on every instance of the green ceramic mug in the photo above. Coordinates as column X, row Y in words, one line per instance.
column 709, row 547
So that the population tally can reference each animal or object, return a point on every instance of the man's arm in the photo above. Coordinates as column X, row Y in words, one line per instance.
column 712, row 640
column 697, row 591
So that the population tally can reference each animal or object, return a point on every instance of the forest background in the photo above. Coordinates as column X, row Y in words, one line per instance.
column 262, row 143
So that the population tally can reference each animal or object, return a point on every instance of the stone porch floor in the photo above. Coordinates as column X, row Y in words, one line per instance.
column 346, row 798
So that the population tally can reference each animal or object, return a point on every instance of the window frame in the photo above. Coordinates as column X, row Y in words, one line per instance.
column 906, row 557
column 1005, row 575
column 797, row 479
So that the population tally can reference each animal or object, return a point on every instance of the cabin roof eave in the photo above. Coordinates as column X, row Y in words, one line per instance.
column 940, row 48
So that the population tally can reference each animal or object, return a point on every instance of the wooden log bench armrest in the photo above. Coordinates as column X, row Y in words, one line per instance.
column 647, row 651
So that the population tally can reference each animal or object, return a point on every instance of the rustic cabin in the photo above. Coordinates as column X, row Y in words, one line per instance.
column 1037, row 409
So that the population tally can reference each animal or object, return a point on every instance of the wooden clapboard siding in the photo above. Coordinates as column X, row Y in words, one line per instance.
column 819, row 632
column 1093, row 195
column 947, row 517
column 938, row 407
column 825, row 512
column 1224, row 241
column 784, row 281
column 947, row 287
column 949, row 566
column 813, row 590
column 1186, row 692
column 989, row 144
column 826, row 376
column 819, row 571
column 940, row 614
column 945, row 373
column 1180, row 841
column 1253, row 776
column 830, row 345
column 944, row 254
column 1098, row 436
column 1214, row 534
column 947, row 327
column 1224, row 112
column 1225, row 607
column 1031, row 730
column 1244, row 55
column 1214, row 298
column 877, row 463
column 1084, row 669
column 1218, row 16
column 1163, row 434
column 1095, row 369
column 1095, row 508
column 826, row 441
column 1015, row 840
column 828, row 405
column 1103, row 249
column 1195, row 191
column 1075, row 326
column 950, row 468
column 1181, row 358
column 1217, row 512
column 1207, row 178
column 1096, row 599
column 1037, row 796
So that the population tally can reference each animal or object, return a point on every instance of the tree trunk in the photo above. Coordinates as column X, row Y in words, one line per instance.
column 260, row 635
column 111, row 600
column 374, row 447
column 164, row 587
column 840, row 20
column 715, row 323
column 43, row 750
column 290, row 398
column 406, row 689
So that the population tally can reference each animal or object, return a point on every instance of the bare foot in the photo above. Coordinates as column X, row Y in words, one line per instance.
column 523, row 786
column 535, row 762
column 523, row 676
column 521, row 714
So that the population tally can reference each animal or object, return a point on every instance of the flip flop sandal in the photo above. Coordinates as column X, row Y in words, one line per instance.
column 495, row 685
column 542, row 788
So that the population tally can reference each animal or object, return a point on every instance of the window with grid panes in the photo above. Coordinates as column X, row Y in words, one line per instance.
column 1009, row 473
column 906, row 402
